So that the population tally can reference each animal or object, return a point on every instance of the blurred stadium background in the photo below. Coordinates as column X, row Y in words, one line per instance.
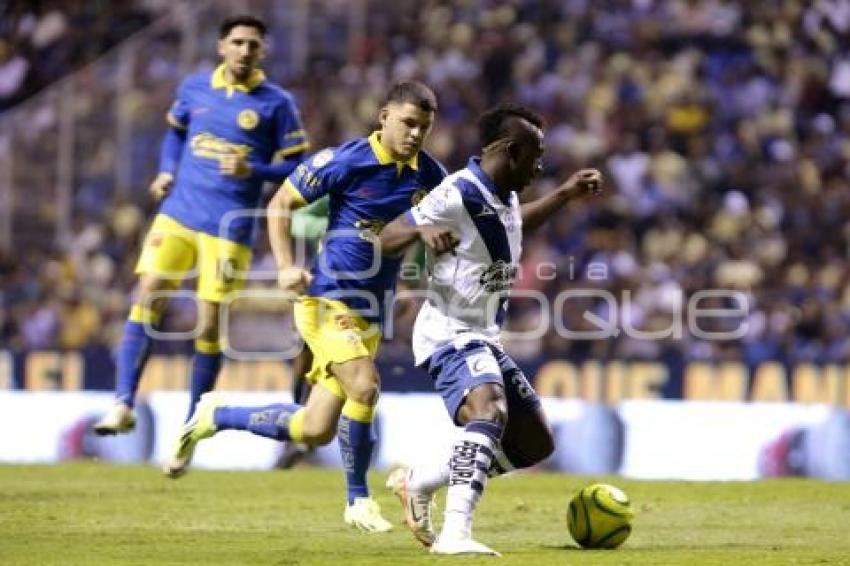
column 723, row 128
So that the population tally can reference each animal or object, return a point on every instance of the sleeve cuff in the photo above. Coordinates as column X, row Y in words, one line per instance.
column 293, row 149
column 410, row 218
column 174, row 122
column 293, row 191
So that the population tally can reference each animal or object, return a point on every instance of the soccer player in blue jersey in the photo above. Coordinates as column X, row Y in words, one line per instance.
column 456, row 334
column 230, row 131
column 369, row 181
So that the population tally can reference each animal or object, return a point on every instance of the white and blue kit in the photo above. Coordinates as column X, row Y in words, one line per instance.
column 456, row 335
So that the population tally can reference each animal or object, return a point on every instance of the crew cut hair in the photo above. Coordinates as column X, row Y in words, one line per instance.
column 415, row 92
column 241, row 20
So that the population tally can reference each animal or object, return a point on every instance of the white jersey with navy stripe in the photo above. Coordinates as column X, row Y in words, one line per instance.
column 467, row 290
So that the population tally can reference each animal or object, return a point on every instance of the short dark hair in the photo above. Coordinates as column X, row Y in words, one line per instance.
column 414, row 92
column 241, row 20
column 492, row 124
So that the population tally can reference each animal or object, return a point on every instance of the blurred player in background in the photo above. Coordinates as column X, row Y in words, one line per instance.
column 475, row 214
column 230, row 131
column 369, row 181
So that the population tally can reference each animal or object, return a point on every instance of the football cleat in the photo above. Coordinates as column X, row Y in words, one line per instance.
column 199, row 427
column 117, row 420
column 460, row 545
column 365, row 514
column 417, row 506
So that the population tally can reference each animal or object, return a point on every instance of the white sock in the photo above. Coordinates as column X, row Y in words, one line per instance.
column 430, row 475
column 472, row 455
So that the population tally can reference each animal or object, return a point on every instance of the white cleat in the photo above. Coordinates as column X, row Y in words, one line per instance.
column 460, row 545
column 365, row 514
column 117, row 420
column 417, row 506
column 199, row 427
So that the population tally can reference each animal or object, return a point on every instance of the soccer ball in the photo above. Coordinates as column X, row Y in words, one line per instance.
column 600, row 516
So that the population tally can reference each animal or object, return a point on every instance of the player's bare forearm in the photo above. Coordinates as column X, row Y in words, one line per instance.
column 280, row 219
column 536, row 212
column 397, row 236
column 583, row 183
column 401, row 233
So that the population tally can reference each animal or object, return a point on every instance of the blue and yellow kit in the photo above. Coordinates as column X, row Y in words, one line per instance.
column 257, row 120
column 340, row 315
column 207, row 221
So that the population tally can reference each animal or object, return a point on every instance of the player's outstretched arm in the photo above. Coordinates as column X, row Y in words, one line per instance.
column 581, row 184
column 279, row 210
column 239, row 167
column 401, row 233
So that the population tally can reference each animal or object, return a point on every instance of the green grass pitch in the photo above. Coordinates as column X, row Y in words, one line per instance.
column 90, row 513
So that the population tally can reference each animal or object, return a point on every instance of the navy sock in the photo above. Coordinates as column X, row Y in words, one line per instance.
column 205, row 368
column 271, row 421
column 356, row 443
column 132, row 356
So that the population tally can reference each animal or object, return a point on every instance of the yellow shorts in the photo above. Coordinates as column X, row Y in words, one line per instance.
column 172, row 251
column 335, row 334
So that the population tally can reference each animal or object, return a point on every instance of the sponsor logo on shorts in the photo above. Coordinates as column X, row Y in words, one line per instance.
column 344, row 322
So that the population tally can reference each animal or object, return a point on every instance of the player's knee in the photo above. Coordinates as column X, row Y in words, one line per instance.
column 486, row 403
column 153, row 294
column 360, row 382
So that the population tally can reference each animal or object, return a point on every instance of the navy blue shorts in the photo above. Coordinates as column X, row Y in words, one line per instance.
column 456, row 372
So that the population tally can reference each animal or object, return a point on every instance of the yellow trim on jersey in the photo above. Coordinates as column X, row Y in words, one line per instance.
column 287, row 151
column 296, row 134
column 298, row 198
column 217, row 80
column 174, row 122
column 383, row 156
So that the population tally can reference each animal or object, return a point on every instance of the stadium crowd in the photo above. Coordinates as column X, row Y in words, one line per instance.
column 723, row 128
column 43, row 40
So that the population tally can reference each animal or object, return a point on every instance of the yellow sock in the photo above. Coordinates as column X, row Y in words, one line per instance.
column 207, row 346
column 143, row 315
column 296, row 425
column 357, row 411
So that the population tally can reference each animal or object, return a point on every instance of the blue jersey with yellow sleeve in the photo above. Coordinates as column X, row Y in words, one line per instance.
column 255, row 119
column 367, row 189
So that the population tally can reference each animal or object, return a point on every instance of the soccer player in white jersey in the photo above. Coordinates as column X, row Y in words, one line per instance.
column 473, row 225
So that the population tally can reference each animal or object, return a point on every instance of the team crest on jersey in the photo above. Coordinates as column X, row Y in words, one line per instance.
column 418, row 195
column 248, row 119
column 321, row 158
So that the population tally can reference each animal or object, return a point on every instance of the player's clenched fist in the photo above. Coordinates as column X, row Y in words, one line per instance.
column 294, row 279
column 438, row 238
column 585, row 182
column 161, row 185
column 234, row 166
